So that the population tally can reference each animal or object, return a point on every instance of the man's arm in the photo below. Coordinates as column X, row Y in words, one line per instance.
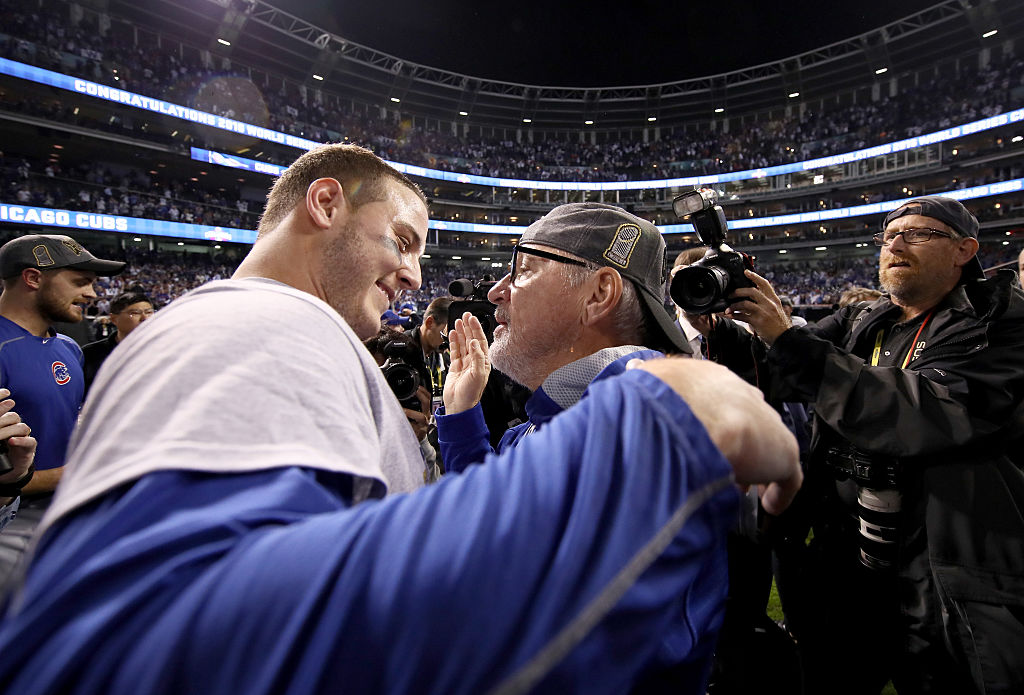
column 602, row 534
column 958, row 390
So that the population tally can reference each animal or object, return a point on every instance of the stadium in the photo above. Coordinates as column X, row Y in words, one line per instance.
column 163, row 124
column 151, row 131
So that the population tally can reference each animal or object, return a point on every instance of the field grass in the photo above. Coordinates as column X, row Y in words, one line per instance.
column 775, row 613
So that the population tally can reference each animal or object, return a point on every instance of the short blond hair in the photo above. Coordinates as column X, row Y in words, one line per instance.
column 362, row 175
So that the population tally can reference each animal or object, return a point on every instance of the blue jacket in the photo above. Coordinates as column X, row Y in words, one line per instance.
column 569, row 563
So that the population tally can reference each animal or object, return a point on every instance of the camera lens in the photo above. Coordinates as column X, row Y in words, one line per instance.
column 402, row 379
column 698, row 288
column 878, row 512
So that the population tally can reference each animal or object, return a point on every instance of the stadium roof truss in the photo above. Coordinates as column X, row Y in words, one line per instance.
column 369, row 76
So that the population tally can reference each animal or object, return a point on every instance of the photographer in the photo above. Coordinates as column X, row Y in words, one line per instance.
column 915, row 569
column 395, row 353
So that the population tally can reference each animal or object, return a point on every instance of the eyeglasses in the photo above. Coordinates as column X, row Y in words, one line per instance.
column 912, row 235
column 513, row 267
column 136, row 313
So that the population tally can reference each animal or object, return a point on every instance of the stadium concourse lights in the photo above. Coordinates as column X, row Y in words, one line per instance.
column 463, row 113
column 989, row 34
column 318, row 77
column 396, row 100
column 1017, row 138
column 652, row 119
column 880, row 71
column 719, row 110
column 794, row 95
column 588, row 123
column 527, row 120
column 224, row 42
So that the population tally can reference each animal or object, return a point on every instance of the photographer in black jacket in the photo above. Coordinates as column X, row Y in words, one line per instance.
column 915, row 572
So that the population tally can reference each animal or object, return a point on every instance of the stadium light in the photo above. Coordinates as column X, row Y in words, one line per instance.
column 1017, row 138
column 719, row 110
column 821, row 248
column 485, row 258
column 426, row 255
column 652, row 119
column 224, row 42
column 783, row 251
column 588, row 123
column 463, row 113
column 879, row 71
column 527, row 120
column 456, row 258
column 318, row 77
column 988, row 34
column 793, row 95
column 396, row 100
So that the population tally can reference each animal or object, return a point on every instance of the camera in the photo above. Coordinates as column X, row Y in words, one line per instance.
column 403, row 378
column 473, row 298
column 879, row 502
column 702, row 288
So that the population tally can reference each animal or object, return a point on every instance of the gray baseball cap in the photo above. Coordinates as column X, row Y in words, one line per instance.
column 49, row 252
column 950, row 212
column 609, row 236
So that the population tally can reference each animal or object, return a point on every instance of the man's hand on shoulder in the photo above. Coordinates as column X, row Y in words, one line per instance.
column 748, row 432
column 471, row 365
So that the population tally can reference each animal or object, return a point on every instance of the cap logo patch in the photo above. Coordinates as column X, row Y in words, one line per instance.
column 621, row 248
column 42, row 256
column 61, row 373
column 75, row 248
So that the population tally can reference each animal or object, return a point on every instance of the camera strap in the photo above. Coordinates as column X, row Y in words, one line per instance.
column 880, row 337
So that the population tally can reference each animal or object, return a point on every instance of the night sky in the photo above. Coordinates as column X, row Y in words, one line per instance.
column 598, row 44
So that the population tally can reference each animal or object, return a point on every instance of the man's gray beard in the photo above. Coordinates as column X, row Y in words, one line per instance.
column 522, row 368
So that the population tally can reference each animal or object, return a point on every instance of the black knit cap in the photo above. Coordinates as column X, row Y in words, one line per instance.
column 950, row 212
column 609, row 236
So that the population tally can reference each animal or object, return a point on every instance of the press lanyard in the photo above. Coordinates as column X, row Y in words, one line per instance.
column 880, row 336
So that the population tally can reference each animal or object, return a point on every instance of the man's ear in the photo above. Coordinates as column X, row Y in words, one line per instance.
column 428, row 323
column 965, row 251
column 604, row 292
column 325, row 198
column 32, row 277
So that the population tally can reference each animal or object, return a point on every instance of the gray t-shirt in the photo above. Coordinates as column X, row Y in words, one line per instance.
column 240, row 376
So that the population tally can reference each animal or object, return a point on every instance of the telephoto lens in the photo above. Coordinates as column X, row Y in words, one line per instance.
column 879, row 512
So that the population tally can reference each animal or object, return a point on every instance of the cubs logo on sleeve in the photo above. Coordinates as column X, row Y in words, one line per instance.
column 61, row 373
column 621, row 248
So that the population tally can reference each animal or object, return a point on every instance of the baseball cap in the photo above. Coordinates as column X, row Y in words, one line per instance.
column 609, row 236
column 390, row 318
column 950, row 212
column 49, row 252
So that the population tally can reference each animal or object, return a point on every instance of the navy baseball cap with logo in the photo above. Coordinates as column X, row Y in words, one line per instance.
column 609, row 236
column 50, row 252
column 950, row 212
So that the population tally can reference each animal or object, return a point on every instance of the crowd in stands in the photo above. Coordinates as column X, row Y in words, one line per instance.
column 131, row 193
column 46, row 37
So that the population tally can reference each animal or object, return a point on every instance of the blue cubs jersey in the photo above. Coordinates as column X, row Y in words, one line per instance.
column 44, row 376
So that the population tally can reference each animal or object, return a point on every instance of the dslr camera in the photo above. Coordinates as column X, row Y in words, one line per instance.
column 473, row 298
column 879, row 501
column 702, row 288
column 400, row 372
